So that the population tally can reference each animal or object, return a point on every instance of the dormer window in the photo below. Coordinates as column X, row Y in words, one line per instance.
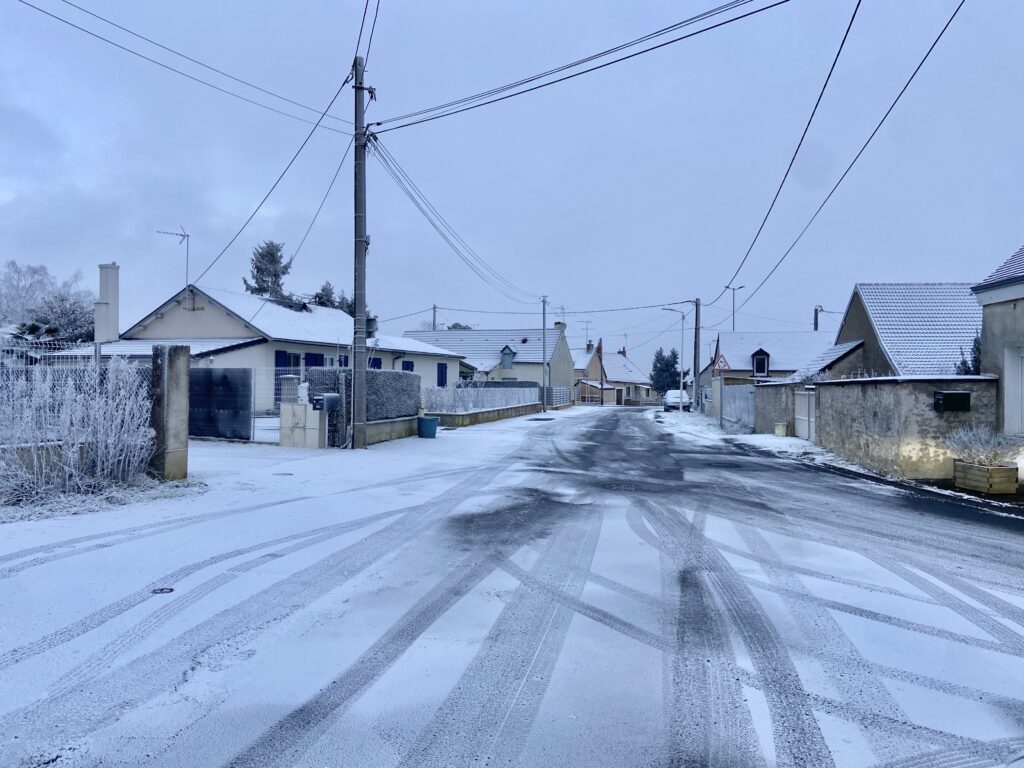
column 760, row 363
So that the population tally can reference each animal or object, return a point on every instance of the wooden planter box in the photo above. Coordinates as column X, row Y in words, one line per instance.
column 976, row 477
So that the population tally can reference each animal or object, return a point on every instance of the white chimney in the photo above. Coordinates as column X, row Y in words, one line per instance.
column 107, row 308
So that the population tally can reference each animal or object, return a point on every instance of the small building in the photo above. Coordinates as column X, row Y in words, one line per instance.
column 507, row 354
column 909, row 329
column 1002, row 338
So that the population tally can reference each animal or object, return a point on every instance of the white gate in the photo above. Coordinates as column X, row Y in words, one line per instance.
column 805, row 414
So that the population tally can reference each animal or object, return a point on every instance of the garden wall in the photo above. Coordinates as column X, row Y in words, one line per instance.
column 890, row 424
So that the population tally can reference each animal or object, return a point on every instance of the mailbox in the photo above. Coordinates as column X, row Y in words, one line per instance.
column 952, row 401
column 329, row 401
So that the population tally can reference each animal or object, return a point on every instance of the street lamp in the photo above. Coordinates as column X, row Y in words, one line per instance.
column 737, row 288
column 682, row 343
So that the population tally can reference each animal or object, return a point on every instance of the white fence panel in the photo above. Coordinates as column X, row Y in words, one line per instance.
column 469, row 399
column 738, row 404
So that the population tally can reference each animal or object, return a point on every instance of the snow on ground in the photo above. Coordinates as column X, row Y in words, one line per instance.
column 584, row 587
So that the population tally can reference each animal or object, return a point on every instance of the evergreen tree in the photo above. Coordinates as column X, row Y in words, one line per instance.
column 268, row 270
column 325, row 296
column 665, row 371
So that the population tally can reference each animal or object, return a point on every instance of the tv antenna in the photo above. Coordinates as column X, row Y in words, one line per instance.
column 183, row 237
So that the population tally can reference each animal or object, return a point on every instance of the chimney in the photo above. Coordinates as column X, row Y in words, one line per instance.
column 107, row 308
column 560, row 326
column 590, row 346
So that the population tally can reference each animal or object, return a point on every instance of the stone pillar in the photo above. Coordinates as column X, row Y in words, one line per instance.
column 169, row 416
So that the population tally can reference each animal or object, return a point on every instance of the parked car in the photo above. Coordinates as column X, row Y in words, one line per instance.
column 674, row 400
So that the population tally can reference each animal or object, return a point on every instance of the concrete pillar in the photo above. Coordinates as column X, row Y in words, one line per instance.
column 169, row 416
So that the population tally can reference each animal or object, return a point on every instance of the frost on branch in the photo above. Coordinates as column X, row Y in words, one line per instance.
column 72, row 430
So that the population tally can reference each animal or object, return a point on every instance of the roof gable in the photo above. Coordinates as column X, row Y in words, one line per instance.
column 1009, row 272
column 922, row 327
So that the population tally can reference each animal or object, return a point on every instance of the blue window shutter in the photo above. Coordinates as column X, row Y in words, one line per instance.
column 442, row 374
column 280, row 358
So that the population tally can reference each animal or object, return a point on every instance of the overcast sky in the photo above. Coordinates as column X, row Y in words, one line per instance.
column 641, row 183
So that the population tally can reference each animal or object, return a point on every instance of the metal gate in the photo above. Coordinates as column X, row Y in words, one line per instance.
column 220, row 403
column 806, row 413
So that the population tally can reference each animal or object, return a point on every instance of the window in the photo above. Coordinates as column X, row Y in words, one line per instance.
column 506, row 359
column 760, row 363
column 442, row 374
column 375, row 362
column 407, row 365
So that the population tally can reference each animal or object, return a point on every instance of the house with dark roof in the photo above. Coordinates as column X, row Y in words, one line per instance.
column 909, row 329
column 514, row 354
column 1000, row 296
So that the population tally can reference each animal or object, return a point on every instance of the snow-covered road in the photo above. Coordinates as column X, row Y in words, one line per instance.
column 597, row 589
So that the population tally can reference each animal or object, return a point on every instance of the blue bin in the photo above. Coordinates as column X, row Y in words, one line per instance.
column 427, row 426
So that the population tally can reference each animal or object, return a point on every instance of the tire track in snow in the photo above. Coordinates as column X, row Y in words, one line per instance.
column 103, row 701
column 113, row 610
column 488, row 714
column 797, row 736
column 834, row 650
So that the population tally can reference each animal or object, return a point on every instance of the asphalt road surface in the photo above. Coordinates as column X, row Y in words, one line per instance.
column 607, row 593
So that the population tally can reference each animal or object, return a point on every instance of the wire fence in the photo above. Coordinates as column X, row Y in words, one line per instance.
column 467, row 399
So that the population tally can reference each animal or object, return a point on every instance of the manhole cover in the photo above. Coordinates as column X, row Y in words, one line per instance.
column 163, row 590
column 284, row 474
column 542, row 418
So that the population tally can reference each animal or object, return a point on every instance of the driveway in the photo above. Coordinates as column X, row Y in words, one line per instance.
column 592, row 590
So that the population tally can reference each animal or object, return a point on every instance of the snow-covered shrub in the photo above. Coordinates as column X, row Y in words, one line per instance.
column 81, row 429
column 982, row 445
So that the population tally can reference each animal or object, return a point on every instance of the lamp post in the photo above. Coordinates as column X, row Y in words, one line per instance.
column 682, row 343
column 737, row 288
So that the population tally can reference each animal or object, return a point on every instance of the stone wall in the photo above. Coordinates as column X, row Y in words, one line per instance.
column 890, row 424
column 773, row 404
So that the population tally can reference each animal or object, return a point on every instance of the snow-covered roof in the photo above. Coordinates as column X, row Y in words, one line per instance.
column 402, row 344
column 313, row 325
column 825, row 360
column 581, row 357
column 1010, row 271
column 618, row 367
column 787, row 350
column 144, row 347
column 922, row 326
column 482, row 348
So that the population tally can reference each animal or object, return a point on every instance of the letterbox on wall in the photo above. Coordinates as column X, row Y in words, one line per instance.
column 952, row 401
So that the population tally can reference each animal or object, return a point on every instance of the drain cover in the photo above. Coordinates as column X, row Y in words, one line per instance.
column 283, row 474
column 163, row 590
column 542, row 418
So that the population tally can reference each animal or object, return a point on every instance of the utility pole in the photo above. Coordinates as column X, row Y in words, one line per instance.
column 359, row 291
column 433, row 323
column 696, row 348
column 817, row 309
column 544, row 353
column 737, row 288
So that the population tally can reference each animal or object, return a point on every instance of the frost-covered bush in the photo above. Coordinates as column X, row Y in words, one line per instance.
column 81, row 429
column 982, row 445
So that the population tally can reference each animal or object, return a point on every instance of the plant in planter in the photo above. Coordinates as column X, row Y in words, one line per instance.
column 985, row 459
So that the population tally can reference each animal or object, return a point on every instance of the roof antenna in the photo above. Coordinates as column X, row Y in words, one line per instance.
column 183, row 237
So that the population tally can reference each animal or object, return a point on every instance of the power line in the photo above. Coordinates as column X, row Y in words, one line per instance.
column 176, row 71
column 796, row 151
column 369, row 42
column 278, row 180
column 197, row 62
column 570, row 65
column 859, row 152
column 458, row 245
column 496, row 99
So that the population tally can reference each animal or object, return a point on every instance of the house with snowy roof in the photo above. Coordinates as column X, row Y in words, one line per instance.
column 909, row 329
column 507, row 354
column 1002, row 337
column 225, row 329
